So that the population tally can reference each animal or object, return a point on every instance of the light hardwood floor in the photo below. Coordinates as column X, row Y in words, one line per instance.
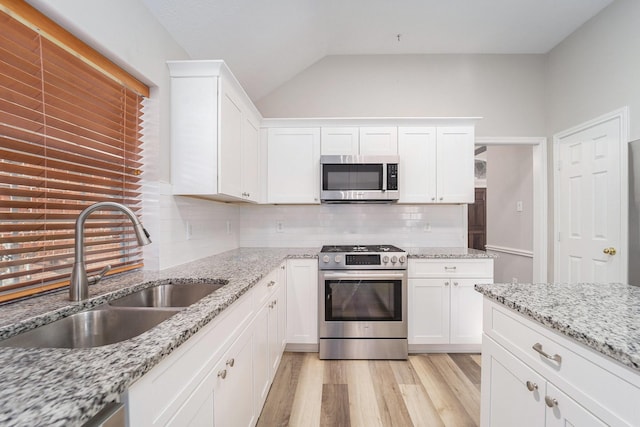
column 427, row 390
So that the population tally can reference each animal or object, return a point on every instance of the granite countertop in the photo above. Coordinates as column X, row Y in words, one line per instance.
column 604, row 317
column 447, row 253
column 66, row 387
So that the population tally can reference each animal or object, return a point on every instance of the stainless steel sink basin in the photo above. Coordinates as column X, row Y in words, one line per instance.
column 92, row 328
column 168, row 295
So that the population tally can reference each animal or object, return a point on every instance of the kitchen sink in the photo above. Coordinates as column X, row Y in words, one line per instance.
column 92, row 328
column 169, row 295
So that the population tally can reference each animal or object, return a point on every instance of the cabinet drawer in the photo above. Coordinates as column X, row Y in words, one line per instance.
column 601, row 385
column 451, row 268
column 264, row 289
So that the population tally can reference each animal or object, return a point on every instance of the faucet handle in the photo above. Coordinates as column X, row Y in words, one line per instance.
column 95, row 279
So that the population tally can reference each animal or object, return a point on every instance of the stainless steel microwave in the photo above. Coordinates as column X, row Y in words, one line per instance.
column 363, row 179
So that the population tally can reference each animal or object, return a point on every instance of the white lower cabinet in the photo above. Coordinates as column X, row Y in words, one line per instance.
column 302, row 303
column 571, row 386
column 444, row 308
column 222, row 374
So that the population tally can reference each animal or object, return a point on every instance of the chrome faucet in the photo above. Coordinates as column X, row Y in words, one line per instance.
column 79, row 285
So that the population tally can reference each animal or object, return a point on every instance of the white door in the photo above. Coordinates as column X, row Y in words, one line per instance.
column 455, row 158
column 589, row 204
column 339, row 141
column 466, row 312
column 230, row 145
column 429, row 311
column 379, row 141
column 417, row 150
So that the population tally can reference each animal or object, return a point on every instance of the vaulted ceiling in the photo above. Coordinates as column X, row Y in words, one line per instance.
column 267, row 42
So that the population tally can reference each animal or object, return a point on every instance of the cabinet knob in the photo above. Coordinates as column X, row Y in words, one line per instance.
column 455, row 283
column 446, row 283
column 433, row 199
column 231, row 362
column 271, row 283
column 531, row 386
column 441, row 198
column 222, row 374
column 550, row 401
column 282, row 267
column 609, row 251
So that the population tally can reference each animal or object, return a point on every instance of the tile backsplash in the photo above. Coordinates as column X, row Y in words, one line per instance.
column 317, row 225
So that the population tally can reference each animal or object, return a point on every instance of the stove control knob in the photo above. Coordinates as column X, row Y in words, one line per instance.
column 325, row 259
column 402, row 259
column 385, row 259
column 338, row 259
column 394, row 259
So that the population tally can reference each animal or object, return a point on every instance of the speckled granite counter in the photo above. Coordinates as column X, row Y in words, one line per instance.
column 447, row 253
column 605, row 317
column 66, row 387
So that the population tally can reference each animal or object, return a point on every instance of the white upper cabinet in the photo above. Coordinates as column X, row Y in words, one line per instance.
column 436, row 164
column 455, row 157
column 378, row 141
column 417, row 169
column 214, row 133
column 340, row 141
column 359, row 141
column 293, row 165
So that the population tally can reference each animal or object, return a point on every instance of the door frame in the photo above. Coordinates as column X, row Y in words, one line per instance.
column 622, row 115
column 540, row 197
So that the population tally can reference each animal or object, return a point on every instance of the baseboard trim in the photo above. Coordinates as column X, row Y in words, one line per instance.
column 444, row 348
column 301, row 348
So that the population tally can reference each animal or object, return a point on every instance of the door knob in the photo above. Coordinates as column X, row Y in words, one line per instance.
column 609, row 251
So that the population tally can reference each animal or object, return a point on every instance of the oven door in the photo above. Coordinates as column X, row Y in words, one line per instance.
column 363, row 304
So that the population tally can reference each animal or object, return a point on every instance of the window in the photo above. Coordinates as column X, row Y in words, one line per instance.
column 70, row 126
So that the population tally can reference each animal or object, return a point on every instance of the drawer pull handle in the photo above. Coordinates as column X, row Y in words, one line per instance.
column 222, row 374
column 550, row 401
column 556, row 357
column 270, row 284
column 450, row 268
column 531, row 386
column 231, row 362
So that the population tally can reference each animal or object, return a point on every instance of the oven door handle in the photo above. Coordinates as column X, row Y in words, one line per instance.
column 351, row 275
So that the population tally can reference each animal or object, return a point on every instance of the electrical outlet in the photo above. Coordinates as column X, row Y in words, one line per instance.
column 188, row 229
column 519, row 206
column 228, row 227
column 427, row 228
column 279, row 227
column 514, row 280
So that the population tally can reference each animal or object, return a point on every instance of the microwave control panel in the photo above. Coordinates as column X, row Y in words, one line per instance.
column 392, row 176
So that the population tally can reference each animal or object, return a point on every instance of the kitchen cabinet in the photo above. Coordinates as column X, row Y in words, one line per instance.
column 268, row 332
column 359, row 141
column 232, row 359
column 444, row 308
column 214, row 133
column 293, row 165
column 302, row 304
column 436, row 164
column 561, row 383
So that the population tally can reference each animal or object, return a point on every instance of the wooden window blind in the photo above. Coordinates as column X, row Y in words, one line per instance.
column 69, row 137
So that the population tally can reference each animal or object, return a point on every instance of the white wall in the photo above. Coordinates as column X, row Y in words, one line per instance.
column 127, row 33
column 509, row 181
column 506, row 90
column 317, row 225
column 596, row 69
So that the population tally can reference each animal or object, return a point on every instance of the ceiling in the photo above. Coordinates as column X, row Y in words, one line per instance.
column 267, row 42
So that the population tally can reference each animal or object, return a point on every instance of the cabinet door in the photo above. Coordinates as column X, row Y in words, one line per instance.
column 234, row 384
column 282, row 308
column 512, row 393
column 198, row 409
column 428, row 311
column 275, row 346
column 466, row 312
column 378, row 141
column 455, row 157
column 339, row 141
column 250, row 168
column 230, row 144
column 261, row 351
column 302, row 301
column 417, row 151
column 565, row 411
column 293, row 165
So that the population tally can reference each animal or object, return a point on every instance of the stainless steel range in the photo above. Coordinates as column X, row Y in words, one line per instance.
column 362, row 302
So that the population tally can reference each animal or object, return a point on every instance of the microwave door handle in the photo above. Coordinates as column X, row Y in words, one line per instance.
column 384, row 177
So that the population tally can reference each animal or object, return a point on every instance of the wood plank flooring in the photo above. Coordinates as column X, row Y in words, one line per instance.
column 426, row 390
